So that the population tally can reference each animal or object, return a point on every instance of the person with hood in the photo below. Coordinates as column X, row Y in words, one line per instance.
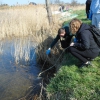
column 95, row 13
column 85, row 47
column 64, row 36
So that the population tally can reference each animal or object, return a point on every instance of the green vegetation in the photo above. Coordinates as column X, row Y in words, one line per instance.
column 73, row 83
column 81, row 15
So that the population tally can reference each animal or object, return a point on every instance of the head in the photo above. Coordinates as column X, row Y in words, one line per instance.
column 61, row 32
column 74, row 25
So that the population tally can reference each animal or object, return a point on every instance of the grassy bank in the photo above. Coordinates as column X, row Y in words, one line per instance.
column 69, row 83
column 73, row 83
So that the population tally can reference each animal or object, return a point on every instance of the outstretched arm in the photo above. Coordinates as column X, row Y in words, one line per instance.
column 52, row 44
column 54, row 41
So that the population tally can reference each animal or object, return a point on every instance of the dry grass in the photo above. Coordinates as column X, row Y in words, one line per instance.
column 23, row 21
column 78, row 7
column 26, row 20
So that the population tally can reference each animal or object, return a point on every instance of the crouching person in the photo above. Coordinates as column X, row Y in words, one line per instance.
column 64, row 36
column 85, row 48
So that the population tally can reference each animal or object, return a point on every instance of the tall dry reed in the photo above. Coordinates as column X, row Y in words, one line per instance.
column 32, row 21
column 21, row 21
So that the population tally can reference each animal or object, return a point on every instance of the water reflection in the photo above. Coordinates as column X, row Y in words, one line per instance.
column 17, row 79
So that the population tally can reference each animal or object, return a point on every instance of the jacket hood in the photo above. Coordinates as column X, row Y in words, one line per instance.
column 83, row 27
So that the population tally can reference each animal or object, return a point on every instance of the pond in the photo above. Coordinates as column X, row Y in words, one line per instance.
column 18, row 68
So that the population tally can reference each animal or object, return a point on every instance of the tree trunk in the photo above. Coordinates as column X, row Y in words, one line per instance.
column 49, row 13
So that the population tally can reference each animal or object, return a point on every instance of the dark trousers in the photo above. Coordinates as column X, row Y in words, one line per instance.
column 82, row 55
column 87, row 10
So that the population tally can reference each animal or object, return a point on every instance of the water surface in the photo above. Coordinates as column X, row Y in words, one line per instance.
column 18, row 68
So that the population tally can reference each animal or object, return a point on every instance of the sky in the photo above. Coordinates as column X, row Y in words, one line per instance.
column 14, row 2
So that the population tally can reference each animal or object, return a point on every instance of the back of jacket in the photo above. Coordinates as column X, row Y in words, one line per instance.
column 65, row 41
column 86, row 40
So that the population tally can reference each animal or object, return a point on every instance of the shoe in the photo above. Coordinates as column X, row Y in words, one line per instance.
column 85, row 64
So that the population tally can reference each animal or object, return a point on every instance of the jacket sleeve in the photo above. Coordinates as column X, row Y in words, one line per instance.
column 84, row 41
column 55, row 41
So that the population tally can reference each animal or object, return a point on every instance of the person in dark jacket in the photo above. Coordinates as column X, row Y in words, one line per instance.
column 85, row 48
column 64, row 36
column 88, row 3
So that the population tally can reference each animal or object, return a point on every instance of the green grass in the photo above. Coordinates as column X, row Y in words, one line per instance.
column 81, row 15
column 73, row 83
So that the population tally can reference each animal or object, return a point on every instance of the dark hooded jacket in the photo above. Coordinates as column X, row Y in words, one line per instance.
column 85, row 40
column 65, row 41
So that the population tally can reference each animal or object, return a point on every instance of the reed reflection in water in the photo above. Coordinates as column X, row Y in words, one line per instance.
column 16, row 79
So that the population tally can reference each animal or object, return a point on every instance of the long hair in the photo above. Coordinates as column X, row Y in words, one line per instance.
column 74, row 25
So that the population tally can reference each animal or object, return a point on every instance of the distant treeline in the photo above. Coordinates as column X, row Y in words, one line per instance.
column 58, row 2
column 73, row 2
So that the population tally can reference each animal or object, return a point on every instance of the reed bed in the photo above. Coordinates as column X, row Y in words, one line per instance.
column 23, row 21
column 26, row 20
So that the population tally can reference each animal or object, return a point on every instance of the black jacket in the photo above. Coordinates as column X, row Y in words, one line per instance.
column 88, row 1
column 65, row 41
column 85, row 40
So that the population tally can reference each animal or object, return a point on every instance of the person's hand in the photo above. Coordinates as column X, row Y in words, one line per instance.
column 48, row 51
column 72, row 44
